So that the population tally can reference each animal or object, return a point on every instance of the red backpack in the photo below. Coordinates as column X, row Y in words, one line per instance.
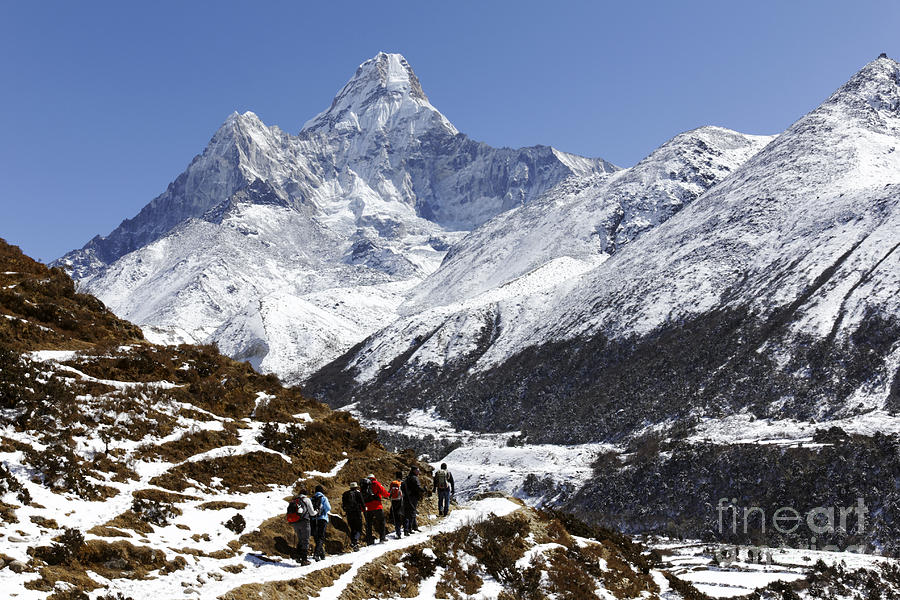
column 395, row 492
column 297, row 510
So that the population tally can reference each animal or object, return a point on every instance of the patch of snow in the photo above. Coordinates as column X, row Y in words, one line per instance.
column 327, row 475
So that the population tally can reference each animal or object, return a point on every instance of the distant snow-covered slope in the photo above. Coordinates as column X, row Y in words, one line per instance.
column 288, row 249
column 502, row 274
column 587, row 218
column 774, row 291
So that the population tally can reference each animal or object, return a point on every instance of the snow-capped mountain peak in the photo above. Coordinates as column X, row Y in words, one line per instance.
column 313, row 238
column 383, row 89
column 875, row 87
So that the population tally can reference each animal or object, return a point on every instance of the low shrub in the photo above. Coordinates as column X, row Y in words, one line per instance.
column 237, row 524
column 63, row 550
column 9, row 483
column 154, row 511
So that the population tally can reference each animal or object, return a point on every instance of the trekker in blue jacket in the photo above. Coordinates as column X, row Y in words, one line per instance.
column 320, row 522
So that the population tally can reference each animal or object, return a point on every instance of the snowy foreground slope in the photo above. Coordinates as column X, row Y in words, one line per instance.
column 288, row 249
column 131, row 471
column 135, row 471
column 775, row 291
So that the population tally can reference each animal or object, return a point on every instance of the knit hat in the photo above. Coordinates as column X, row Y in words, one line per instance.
column 371, row 476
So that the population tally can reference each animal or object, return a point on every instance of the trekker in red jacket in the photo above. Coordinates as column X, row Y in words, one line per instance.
column 372, row 493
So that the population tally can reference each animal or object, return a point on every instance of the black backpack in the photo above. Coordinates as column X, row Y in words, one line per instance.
column 367, row 494
column 317, row 503
column 350, row 501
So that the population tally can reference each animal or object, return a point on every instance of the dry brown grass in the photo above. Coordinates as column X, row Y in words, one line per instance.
column 162, row 496
column 222, row 505
column 104, row 531
column 459, row 579
column 208, row 380
column 139, row 523
column 8, row 512
column 293, row 589
column 223, row 554
column 120, row 471
column 242, row 473
column 382, row 578
column 620, row 578
column 190, row 444
column 627, row 574
column 75, row 576
column 54, row 315
column 129, row 520
column 120, row 559
column 572, row 572
column 44, row 522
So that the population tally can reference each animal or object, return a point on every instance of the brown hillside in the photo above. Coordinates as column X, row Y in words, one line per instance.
column 40, row 309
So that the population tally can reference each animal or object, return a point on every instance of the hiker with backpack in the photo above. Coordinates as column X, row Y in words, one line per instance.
column 319, row 523
column 372, row 493
column 443, row 484
column 413, row 494
column 299, row 513
column 395, row 490
column 352, row 503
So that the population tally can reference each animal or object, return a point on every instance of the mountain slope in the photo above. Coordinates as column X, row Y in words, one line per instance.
column 775, row 291
column 372, row 191
column 587, row 218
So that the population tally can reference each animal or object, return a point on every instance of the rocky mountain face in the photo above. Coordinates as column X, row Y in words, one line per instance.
column 774, row 291
column 287, row 249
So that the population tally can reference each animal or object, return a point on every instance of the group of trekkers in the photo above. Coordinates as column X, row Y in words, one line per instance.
column 362, row 503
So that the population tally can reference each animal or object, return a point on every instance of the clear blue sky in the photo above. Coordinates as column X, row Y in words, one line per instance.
column 103, row 104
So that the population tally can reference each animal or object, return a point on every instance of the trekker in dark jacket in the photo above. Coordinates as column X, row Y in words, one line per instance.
column 443, row 485
column 372, row 494
column 352, row 503
column 395, row 490
column 320, row 522
column 414, row 493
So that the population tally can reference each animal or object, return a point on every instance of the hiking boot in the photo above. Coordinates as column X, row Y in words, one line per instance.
column 304, row 562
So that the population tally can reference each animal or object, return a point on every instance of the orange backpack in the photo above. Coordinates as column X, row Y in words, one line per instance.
column 395, row 492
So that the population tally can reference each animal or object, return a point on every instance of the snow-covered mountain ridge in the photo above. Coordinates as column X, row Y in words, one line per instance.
column 587, row 218
column 267, row 238
column 774, row 290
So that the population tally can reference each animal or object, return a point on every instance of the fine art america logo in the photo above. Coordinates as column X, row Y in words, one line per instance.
column 817, row 525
